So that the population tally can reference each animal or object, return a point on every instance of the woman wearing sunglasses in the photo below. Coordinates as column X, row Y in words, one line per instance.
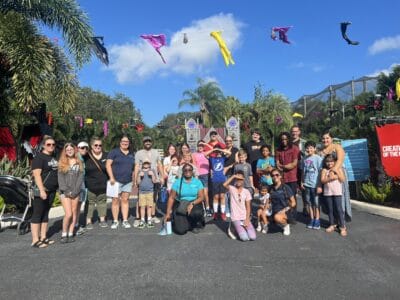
column 282, row 200
column 44, row 169
column 187, row 192
column 240, row 207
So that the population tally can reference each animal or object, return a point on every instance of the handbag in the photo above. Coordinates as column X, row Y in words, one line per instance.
column 181, row 207
column 35, row 188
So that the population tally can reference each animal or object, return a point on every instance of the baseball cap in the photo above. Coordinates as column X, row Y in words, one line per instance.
column 147, row 138
column 83, row 144
column 213, row 132
column 146, row 161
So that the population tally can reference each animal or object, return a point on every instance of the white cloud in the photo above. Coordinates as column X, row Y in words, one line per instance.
column 302, row 65
column 384, row 71
column 138, row 61
column 385, row 44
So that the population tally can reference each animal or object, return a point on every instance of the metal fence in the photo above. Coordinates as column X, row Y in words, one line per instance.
column 345, row 92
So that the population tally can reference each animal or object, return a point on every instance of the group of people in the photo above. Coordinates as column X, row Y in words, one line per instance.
column 218, row 180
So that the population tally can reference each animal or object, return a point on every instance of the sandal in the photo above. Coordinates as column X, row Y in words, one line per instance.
column 343, row 231
column 48, row 241
column 39, row 244
column 331, row 229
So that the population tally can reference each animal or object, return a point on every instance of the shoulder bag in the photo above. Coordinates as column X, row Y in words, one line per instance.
column 181, row 208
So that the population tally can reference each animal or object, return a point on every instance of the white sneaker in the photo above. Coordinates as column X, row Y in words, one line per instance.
column 286, row 229
column 228, row 214
column 259, row 227
column 115, row 225
column 265, row 229
column 155, row 220
column 126, row 225
column 231, row 234
column 136, row 223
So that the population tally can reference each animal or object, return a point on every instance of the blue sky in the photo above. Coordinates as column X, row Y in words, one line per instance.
column 317, row 57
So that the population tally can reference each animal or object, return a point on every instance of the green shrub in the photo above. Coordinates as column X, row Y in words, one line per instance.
column 18, row 168
column 371, row 193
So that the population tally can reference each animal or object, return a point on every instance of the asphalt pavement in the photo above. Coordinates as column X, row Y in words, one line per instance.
column 137, row 264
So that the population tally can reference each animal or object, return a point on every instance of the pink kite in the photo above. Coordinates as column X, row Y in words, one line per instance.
column 282, row 33
column 157, row 41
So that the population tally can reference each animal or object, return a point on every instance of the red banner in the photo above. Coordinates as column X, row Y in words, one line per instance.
column 389, row 141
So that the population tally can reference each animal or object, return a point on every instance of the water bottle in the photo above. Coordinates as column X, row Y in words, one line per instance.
column 169, row 227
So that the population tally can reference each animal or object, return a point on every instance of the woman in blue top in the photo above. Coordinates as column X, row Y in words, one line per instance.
column 189, row 191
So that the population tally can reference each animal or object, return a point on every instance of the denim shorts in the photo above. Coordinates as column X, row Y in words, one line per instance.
column 204, row 180
column 310, row 196
column 125, row 187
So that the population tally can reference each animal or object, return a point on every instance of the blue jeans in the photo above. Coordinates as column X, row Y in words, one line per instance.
column 311, row 197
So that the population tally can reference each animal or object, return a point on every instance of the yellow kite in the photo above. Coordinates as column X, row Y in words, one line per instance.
column 226, row 54
column 398, row 89
column 297, row 115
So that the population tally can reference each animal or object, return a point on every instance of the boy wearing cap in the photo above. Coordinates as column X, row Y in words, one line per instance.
column 214, row 143
column 145, row 182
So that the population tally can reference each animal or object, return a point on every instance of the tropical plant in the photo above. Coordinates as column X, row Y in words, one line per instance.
column 371, row 193
column 209, row 97
column 18, row 168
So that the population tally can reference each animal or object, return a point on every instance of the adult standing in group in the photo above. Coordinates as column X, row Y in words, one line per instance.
column 295, row 133
column 96, row 182
column 336, row 150
column 253, row 153
column 202, row 164
column 44, row 169
column 171, row 150
column 83, row 149
column 120, row 165
column 152, row 155
column 287, row 159
column 185, row 203
column 229, row 164
column 70, row 178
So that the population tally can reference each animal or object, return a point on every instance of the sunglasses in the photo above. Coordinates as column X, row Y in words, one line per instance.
column 49, row 144
column 97, row 145
column 239, row 197
column 187, row 170
column 83, row 148
column 275, row 175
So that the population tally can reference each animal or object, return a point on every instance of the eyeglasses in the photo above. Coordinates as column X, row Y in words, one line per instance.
column 239, row 197
column 275, row 175
column 49, row 144
column 187, row 170
column 97, row 145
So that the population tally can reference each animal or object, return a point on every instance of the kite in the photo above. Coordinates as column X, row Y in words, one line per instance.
column 398, row 89
column 297, row 115
column 185, row 38
column 282, row 33
column 226, row 54
column 99, row 49
column 343, row 29
column 157, row 41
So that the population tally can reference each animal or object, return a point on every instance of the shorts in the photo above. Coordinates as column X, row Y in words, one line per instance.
column 146, row 199
column 83, row 195
column 218, row 188
column 204, row 180
column 125, row 187
column 311, row 197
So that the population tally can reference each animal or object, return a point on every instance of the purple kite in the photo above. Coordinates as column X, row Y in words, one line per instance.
column 282, row 33
column 157, row 41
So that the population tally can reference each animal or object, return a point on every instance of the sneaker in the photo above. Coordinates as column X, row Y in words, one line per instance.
column 136, row 223
column 142, row 224
column 155, row 220
column 231, row 234
column 70, row 239
column 126, row 225
column 81, row 230
column 228, row 214
column 103, row 224
column 259, row 228
column 265, row 229
column 215, row 216
column 64, row 240
column 209, row 212
column 115, row 225
column 311, row 224
column 286, row 229
column 150, row 224
column 317, row 224
column 89, row 226
column 223, row 216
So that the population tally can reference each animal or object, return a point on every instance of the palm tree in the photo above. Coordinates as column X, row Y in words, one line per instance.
column 208, row 96
column 32, row 67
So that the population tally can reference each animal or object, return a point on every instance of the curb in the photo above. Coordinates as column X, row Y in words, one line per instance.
column 374, row 209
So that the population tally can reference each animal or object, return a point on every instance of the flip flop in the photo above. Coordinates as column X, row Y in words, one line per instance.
column 39, row 244
column 47, row 241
